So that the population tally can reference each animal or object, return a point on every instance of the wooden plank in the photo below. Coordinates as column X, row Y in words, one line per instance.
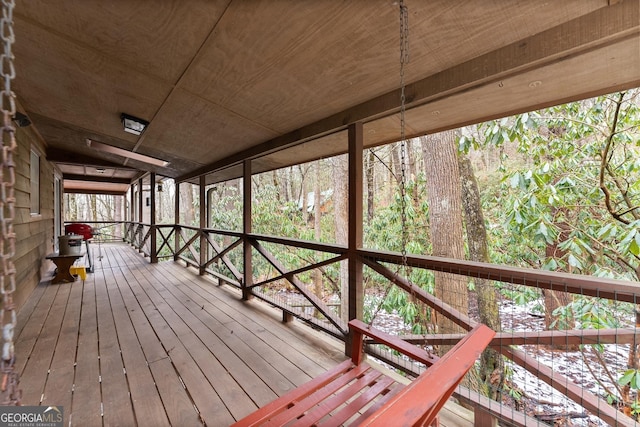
column 34, row 376
column 193, row 333
column 177, row 404
column 29, row 308
column 59, row 388
column 145, row 397
column 276, row 372
column 617, row 290
column 168, row 330
column 563, row 337
column 356, row 420
column 355, row 297
column 30, row 331
column 86, row 405
column 117, row 407
column 513, row 58
column 282, row 403
column 385, row 385
column 353, row 393
column 394, row 342
column 305, row 351
column 299, row 406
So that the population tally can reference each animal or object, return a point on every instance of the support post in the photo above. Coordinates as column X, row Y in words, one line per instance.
column 152, row 219
column 247, row 279
column 176, row 221
column 138, row 231
column 132, row 215
column 356, row 292
column 204, row 246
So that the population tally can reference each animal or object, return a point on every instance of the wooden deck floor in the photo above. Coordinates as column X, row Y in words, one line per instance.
column 155, row 344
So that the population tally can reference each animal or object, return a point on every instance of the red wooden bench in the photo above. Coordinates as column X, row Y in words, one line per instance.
column 355, row 393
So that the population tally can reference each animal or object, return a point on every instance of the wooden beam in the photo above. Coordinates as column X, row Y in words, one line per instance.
column 355, row 297
column 299, row 243
column 94, row 178
column 246, row 229
column 565, row 337
column 176, row 220
column 594, row 30
column 132, row 205
column 204, row 248
column 106, row 192
column 617, row 290
column 69, row 157
column 152, row 220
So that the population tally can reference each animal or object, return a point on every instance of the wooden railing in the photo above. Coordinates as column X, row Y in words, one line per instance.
column 219, row 253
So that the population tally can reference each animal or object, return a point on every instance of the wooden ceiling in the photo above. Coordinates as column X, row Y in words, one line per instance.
column 278, row 80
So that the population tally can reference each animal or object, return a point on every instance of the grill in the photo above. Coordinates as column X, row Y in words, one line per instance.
column 86, row 231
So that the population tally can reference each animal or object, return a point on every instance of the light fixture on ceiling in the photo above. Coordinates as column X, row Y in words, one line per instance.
column 132, row 124
column 125, row 153
column 21, row 119
column 100, row 170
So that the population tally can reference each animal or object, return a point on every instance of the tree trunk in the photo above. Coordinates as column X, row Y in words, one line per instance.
column 117, row 217
column 397, row 162
column 370, row 185
column 94, row 207
column 340, row 177
column 445, row 217
column 276, row 184
column 556, row 299
column 305, row 202
column 491, row 362
column 186, row 206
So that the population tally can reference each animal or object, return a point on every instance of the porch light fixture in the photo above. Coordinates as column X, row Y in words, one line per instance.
column 125, row 153
column 21, row 120
column 132, row 124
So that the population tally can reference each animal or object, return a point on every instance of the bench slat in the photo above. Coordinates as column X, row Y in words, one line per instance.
column 385, row 385
column 324, row 407
column 299, row 407
column 282, row 403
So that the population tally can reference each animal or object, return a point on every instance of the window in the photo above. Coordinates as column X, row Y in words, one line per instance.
column 35, row 183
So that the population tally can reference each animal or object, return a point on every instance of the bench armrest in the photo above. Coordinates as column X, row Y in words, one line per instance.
column 360, row 329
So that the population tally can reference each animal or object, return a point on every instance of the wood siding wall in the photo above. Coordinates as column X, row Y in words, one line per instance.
column 34, row 232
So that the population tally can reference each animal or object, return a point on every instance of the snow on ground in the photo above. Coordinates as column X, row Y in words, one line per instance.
column 542, row 398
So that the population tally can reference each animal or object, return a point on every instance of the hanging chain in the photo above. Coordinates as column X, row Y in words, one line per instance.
column 404, row 59
column 10, row 378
